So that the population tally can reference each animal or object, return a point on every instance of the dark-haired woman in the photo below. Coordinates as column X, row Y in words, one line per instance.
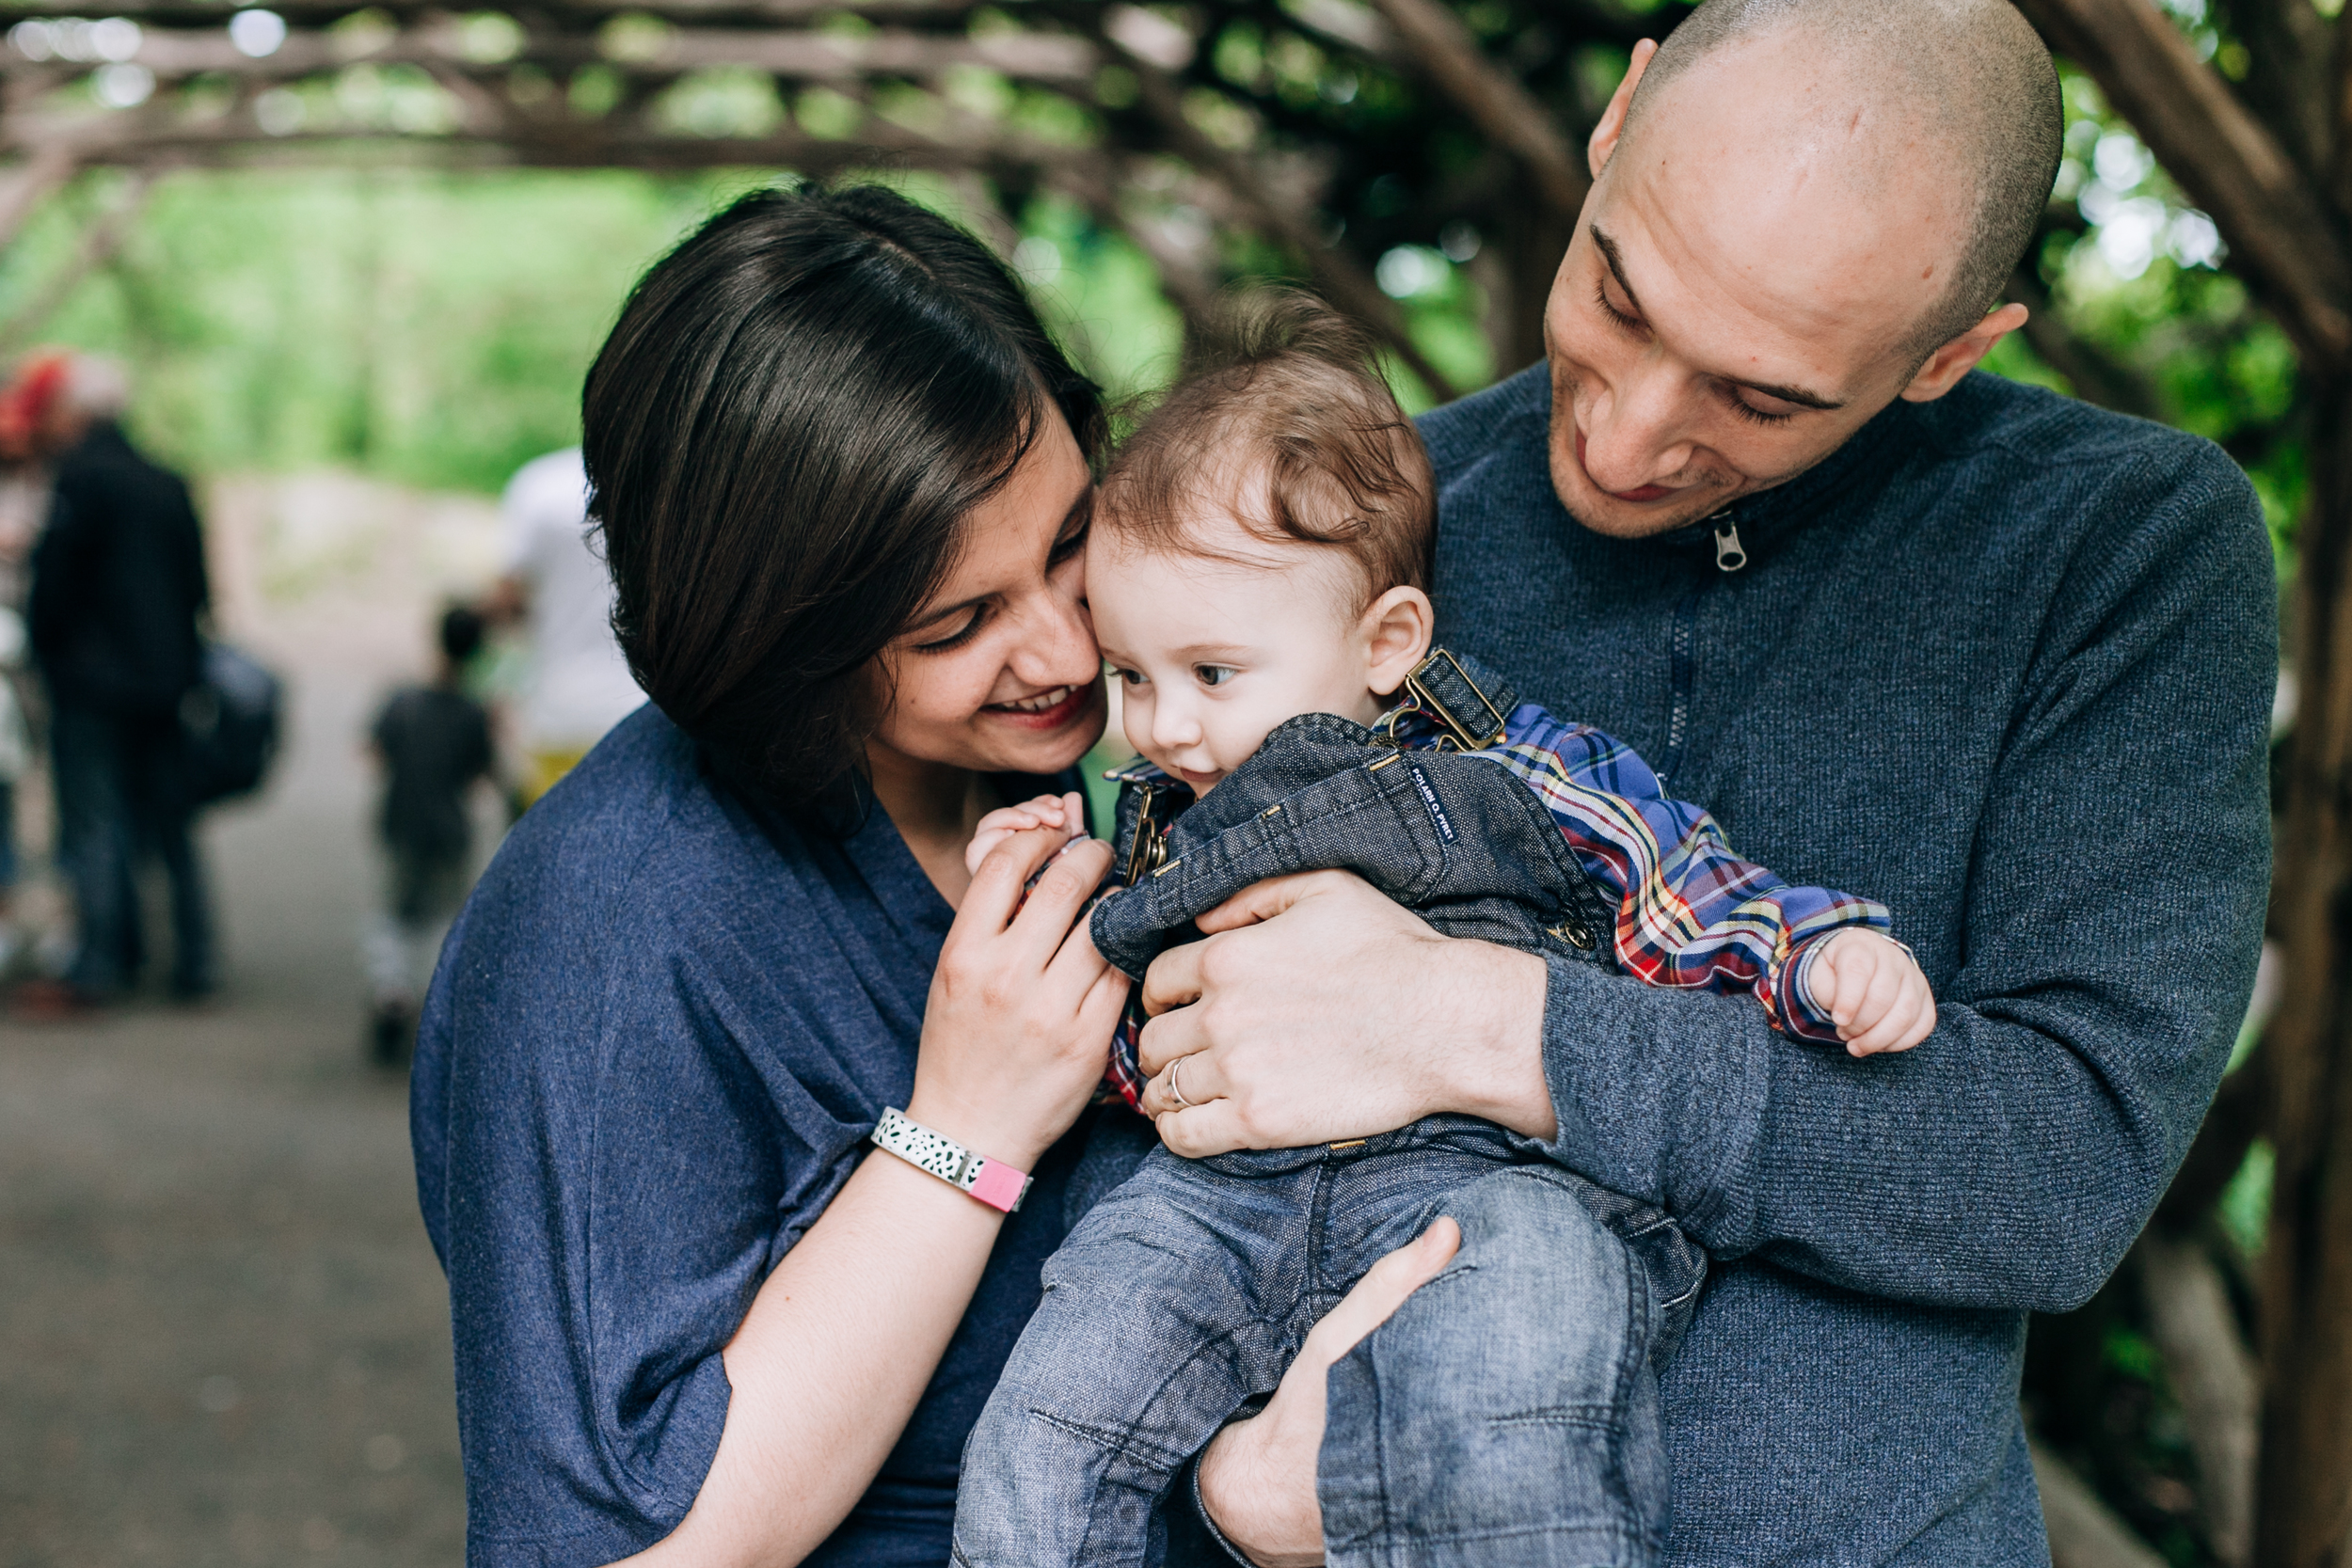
column 843, row 479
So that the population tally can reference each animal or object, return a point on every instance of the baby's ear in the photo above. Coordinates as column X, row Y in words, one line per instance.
column 1397, row 628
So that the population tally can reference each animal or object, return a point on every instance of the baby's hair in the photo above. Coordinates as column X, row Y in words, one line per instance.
column 1285, row 387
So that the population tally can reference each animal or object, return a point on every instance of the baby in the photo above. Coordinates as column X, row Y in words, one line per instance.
column 1258, row 574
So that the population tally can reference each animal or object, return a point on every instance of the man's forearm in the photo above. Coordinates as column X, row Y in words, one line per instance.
column 1494, row 1068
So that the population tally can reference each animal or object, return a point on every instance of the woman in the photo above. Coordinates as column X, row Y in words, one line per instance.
column 843, row 478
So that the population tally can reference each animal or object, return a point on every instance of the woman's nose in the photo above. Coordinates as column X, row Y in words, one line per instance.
column 1055, row 647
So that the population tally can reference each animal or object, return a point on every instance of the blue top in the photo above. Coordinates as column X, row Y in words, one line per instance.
column 2004, row 665
column 657, row 1037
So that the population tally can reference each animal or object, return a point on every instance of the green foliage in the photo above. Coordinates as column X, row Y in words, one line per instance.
column 432, row 327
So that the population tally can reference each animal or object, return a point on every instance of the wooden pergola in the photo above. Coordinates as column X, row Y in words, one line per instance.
column 1101, row 104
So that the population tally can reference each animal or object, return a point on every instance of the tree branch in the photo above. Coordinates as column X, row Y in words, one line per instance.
column 2214, row 1377
column 2095, row 377
column 2228, row 163
column 1348, row 286
column 1493, row 99
column 100, row 241
column 2084, row 1531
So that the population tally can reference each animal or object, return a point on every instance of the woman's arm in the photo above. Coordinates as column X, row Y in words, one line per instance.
column 843, row 1336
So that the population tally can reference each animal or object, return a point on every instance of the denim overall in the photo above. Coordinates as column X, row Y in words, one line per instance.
column 1507, row 1414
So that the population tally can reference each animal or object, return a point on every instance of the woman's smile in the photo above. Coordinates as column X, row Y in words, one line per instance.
column 1049, row 711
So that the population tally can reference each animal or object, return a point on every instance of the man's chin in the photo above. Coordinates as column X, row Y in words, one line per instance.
column 1607, row 515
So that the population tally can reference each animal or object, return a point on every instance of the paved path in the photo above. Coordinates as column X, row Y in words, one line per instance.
column 223, row 1337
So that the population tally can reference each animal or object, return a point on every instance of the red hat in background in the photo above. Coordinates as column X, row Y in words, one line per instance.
column 24, row 402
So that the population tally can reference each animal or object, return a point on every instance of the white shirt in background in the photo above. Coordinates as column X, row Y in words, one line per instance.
column 578, row 685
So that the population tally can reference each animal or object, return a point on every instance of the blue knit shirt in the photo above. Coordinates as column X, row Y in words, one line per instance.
column 2003, row 663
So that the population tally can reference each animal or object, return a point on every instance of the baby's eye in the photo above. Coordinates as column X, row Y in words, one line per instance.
column 1213, row 675
column 1132, row 677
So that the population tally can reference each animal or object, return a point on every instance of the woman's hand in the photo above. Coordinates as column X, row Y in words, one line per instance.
column 1258, row 1477
column 1018, row 1027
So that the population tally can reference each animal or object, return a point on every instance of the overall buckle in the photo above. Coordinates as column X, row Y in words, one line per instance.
column 1446, row 688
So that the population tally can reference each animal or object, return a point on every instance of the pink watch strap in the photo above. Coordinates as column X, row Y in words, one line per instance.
column 998, row 1185
column 993, row 1181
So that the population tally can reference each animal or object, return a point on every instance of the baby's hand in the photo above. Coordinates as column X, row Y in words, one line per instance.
column 1872, row 989
column 1064, row 812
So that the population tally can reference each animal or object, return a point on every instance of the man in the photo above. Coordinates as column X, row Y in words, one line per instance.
column 1998, row 660
column 118, row 587
column 579, row 684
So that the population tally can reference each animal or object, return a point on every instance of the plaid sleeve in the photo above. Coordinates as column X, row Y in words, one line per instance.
column 1689, row 912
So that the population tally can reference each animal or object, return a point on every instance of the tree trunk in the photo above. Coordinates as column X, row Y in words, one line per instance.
column 2305, row 1514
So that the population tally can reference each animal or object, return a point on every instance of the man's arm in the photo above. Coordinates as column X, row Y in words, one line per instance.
column 2113, row 918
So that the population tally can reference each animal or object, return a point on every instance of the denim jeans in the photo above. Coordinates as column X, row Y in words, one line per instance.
column 122, row 797
column 1507, row 1414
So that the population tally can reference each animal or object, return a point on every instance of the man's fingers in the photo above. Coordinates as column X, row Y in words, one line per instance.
column 1168, row 1036
column 1382, row 1290
column 1212, row 1129
column 1266, row 899
column 1197, row 1078
column 1174, row 978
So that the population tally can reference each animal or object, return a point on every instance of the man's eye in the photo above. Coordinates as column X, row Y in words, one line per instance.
column 1213, row 675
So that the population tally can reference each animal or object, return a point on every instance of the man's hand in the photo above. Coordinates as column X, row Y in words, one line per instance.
column 1258, row 1477
column 1319, row 1010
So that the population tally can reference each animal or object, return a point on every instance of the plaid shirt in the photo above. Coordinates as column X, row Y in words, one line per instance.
column 1689, row 912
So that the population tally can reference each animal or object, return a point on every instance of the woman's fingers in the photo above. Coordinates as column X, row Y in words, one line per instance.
column 994, row 895
column 1381, row 1291
column 1044, row 924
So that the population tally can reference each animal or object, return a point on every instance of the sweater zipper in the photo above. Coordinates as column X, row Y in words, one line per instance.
column 1730, row 555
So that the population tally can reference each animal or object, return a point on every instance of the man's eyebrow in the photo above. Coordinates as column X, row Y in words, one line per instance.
column 1798, row 395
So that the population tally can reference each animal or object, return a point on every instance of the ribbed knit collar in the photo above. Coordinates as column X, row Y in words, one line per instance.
column 1769, row 514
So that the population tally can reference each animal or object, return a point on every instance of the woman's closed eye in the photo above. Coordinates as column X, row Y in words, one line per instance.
column 1213, row 675
column 958, row 637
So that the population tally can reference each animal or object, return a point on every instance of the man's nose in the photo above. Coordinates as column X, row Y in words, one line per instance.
column 1637, row 430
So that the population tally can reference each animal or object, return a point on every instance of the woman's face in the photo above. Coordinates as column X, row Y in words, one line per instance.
column 997, row 673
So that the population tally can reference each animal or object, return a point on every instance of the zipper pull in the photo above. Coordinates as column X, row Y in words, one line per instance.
column 1730, row 555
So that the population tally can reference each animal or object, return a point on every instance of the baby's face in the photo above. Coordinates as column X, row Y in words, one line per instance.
column 1213, row 654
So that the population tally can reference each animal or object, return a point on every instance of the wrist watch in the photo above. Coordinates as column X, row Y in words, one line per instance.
column 993, row 1181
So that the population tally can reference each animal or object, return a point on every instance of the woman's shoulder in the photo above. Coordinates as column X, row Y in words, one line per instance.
column 633, row 836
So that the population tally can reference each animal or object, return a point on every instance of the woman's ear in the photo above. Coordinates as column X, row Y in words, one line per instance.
column 1396, row 628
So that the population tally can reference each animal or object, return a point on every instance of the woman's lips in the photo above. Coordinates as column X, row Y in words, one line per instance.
column 1647, row 493
column 1048, row 710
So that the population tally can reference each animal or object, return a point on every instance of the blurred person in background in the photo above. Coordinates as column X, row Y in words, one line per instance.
column 578, row 685
column 434, row 744
column 118, row 589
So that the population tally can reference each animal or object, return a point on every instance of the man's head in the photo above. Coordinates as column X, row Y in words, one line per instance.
column 91, row 388
column 1802, row 211
column 1262, row 544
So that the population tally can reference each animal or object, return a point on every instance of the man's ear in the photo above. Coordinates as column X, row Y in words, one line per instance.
column 1611, row 125
column 1947, row 365
column 1396, row 628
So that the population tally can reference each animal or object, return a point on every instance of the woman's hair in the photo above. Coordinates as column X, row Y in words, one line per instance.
column 1282, row 387
column 796, row 411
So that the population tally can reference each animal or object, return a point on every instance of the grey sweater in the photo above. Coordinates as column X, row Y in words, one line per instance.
column 2002, row 662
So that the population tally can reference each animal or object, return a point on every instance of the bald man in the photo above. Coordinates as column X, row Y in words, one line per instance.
column 1998, row 660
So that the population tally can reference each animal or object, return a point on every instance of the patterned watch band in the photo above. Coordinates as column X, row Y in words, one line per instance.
column 993, row 1181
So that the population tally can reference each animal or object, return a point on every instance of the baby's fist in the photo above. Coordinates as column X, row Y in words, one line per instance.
column 1872, row 989
column 1065, row 813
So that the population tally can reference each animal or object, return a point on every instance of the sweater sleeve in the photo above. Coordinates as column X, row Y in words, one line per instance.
column 2112, row 921
column 1691, row 914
